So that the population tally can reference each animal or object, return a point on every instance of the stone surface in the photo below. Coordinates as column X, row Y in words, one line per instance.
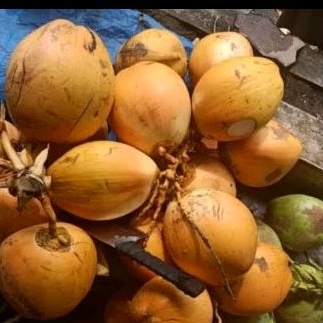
column 267, row 38
column 309, row 66
column 208, row 20
column 308, row 128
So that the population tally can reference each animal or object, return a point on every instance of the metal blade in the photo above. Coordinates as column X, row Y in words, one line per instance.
column 112, row 233
column 124, row 239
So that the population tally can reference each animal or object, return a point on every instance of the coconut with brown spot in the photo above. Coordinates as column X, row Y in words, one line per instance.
column 43, row 278
column 298, row 221
column 236, row 97
column 153, row 44
column 263, row 158
column 59, row 83
column 263, row 288
column 215, row 48
column 211, row 235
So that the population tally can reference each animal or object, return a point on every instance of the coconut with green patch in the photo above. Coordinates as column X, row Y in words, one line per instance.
column 298, row 221
column 267, row 234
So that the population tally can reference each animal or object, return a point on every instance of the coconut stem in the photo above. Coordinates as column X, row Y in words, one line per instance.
column 24, row 157
column 29, row 180
column 52, row 219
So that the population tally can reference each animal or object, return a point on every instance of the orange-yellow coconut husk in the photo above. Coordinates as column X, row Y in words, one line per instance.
column 236, row 97
column 59, row 83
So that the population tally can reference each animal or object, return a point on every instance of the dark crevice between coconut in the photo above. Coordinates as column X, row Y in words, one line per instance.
column 26, row 181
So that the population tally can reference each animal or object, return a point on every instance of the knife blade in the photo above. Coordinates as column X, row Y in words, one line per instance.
column 125, row 239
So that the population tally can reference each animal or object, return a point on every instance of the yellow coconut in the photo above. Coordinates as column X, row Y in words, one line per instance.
column 265, row 157
column 101, row 180
column 215, row 48
column 237, row 97
column 152, row 107
column 59, row 83
column 213, row 236
column 153, row 44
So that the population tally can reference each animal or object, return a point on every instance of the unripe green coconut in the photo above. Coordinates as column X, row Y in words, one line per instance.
column 298, row 221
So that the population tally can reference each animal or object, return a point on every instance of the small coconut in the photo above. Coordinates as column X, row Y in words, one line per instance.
column 153, row 44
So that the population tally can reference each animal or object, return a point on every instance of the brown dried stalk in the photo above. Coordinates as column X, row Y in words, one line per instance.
column 23, row 181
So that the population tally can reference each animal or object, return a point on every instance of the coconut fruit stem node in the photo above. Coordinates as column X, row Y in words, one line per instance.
column 27, row 182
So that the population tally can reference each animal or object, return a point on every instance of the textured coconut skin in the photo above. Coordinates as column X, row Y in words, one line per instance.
column 215, row 48
column 216, row 214
column 153, row 44
column 231, row 99
column 152, row 107
column 102, row 180
column 263, row 158
column 60, row 83
column 298, row 221
column 46, row 281
column 263, row 287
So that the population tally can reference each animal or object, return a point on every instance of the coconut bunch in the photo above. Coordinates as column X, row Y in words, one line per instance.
column 181, row 146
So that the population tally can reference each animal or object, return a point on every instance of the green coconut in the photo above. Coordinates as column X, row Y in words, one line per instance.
column 298, row 221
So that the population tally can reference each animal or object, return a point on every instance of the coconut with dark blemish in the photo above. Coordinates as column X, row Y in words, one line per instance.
column 153, row 44
column 236, row 97
column 213, row 49
column 263, row 158
column 262, row 288
column 298, row 221
column 60, row 83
